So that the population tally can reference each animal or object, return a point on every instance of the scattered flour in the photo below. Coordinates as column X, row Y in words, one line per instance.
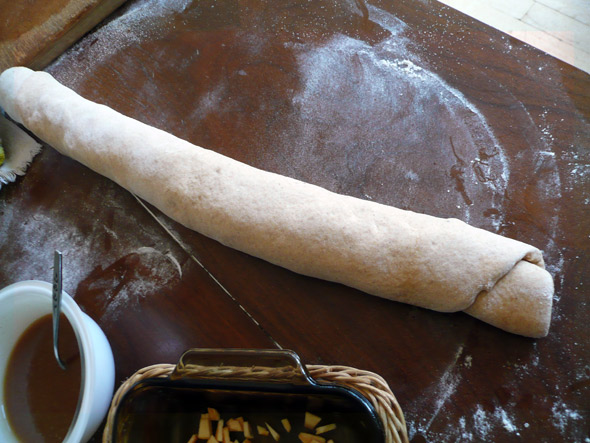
column 507, row 422
column 564, row 417
column 466, row 433
column 481, row 422
column 441, row 392
column 411, row 175
column 141, row 21
column 366, row 90
column 126, row 282
column 468, row 360
column 122, row 271
column 34, row 260
column 481, row 426
column 111, row 232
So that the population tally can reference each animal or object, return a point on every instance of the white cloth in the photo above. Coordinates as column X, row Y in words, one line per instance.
column 19, row 149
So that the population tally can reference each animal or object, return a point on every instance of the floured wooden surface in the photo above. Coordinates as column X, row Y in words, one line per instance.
column 253, row 83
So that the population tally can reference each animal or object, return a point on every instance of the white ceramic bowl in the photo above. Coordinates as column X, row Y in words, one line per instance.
column 20, row 305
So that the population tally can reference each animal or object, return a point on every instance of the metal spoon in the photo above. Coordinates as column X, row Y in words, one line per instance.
column 56, row 296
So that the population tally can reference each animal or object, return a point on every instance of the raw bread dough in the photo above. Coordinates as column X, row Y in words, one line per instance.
column 440, row 264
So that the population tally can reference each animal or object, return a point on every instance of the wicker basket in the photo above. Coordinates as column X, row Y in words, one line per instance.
column 369, row 384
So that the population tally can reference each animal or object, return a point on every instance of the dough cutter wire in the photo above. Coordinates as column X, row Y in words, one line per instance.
column 56, row 298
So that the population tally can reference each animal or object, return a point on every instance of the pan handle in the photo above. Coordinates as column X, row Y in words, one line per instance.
column 267, row 365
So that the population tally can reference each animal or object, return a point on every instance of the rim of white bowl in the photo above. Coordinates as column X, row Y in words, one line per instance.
column 75, row 316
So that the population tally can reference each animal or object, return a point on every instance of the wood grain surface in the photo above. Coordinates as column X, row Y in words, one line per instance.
column 35, row 32
column 407, row 103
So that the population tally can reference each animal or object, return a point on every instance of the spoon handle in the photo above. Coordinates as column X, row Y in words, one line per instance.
column 56, row 296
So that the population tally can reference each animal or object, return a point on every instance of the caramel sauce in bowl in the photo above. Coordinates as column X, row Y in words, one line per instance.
column 40, row 398
column 23, row 306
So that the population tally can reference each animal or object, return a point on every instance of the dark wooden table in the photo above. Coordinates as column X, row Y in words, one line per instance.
column 407, row 103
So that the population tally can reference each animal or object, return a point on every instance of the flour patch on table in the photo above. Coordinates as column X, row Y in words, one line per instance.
column 370, row 92
column 507, row 421
column 143, row 20
column 95, row 265
column 567, row 420
column 577, row 175
column 43, row 236
column 481, row 423
column 125, row 283
column 441, row 392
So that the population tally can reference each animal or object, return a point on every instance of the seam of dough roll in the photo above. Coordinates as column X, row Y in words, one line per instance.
column 440, row 264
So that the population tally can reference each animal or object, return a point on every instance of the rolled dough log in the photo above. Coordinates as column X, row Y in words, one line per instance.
column 440, row 264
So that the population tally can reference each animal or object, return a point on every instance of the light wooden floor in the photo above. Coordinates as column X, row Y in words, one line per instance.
column 559, row 27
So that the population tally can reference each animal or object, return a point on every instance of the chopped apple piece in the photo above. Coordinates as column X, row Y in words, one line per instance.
column 286, row 424
column 212, row 439
column 310, row 438
column 330, row 441
column 219, row 432
column 325, row 428
column 274, row 433
column 311, row 421
column 234, row 425
column 261, row 430
column 248, row 430
column 193, row 439
column 213, row 414
column 226, row 435
column 204, row 427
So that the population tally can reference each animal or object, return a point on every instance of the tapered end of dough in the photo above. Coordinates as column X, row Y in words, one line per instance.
column 10, row 82
column 520, row 302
